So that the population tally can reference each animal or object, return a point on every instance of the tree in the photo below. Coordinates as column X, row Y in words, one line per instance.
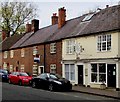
column 14, row 15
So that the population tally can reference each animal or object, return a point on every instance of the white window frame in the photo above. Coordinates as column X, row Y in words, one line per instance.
column 70, row 46
column 5, row 54
column 35, row 50
column 11, row 68
column 53, row 48
column 53, row 68
column 70, row 71
column 11, row 53
column 98, row 73
column 35, row 69
column 22, row 52
column 22, row 68
column 103, row 40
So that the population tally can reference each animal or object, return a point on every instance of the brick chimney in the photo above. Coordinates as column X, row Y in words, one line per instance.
column 28, row 27
column 35, row 25
column 54, row 19
column 4, row 35
column 61, row 17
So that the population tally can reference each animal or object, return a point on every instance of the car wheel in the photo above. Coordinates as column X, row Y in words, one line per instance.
column 20, row 83
column 51, row 87
column 33, row 84
column 9, row 81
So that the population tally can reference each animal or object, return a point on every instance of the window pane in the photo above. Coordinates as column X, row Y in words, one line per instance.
column 102, row 78
column 102, row 68
column 94, row 68
column 72, row 67
column 93, row 77
column 67, row 71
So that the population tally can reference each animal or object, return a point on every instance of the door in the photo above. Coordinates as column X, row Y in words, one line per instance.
column 41, row 69
column 80, row 74
column 111, row 75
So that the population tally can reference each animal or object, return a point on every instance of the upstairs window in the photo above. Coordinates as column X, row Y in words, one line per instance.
column 53, row 48
column 22, row 53
column 104, row 42
column 11, row 54
column 6, row 54
column 70, row 46
column 35, row 50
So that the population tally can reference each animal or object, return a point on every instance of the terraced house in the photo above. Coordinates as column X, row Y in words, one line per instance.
column 84, row 50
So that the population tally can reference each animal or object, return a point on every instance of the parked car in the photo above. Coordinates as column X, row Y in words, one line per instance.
column 4, row 75
column 21, row 78
column 51, row 82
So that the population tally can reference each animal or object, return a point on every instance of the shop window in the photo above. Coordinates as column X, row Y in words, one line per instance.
column 98, row 72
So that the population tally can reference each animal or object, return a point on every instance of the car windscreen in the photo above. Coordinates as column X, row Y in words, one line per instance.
column 4, row 71
column 55, row 76
column 24, row 74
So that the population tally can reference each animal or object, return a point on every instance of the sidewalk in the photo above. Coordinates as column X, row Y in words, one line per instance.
column 106, row 92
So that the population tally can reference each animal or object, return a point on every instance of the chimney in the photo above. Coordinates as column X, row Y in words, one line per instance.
column 61, row 17
column 107, row 6
column 54, row 19
column 28, row 27
column 35, row 25
column 4, row 35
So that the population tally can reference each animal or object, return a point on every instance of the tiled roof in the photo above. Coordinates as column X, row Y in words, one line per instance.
column 8, row 42
column 107, row 19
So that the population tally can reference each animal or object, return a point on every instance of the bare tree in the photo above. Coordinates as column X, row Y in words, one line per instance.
column 14, row 15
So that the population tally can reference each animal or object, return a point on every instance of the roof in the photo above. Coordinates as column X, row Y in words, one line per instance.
column 8, row 42
column 105, row 20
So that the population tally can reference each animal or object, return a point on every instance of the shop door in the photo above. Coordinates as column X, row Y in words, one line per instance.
column 80, row 74
column 111, row 75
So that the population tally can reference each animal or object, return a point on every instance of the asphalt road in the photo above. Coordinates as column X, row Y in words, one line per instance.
column 16, row 92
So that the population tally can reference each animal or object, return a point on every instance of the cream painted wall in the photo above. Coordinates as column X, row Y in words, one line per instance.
column 119, row 44
column 89, row 44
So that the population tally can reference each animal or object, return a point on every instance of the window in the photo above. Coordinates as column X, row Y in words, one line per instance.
column 88, row 17
column 98, row 72
column 70, row 46
column 35, row 50
column 104, row 43
column 22, row 68
column 35, row 70
column 53, row 48
column 5, row 54
column 53, row 68
column 22, row 53
column 11, row 54
column 70, row 71
column 11, row 68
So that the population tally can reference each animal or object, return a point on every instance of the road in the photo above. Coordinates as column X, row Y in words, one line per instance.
column 16, row 92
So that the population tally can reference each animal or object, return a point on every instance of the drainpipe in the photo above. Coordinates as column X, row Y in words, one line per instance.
column 44, row 59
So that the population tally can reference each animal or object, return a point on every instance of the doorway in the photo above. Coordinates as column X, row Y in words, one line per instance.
column 41, row 69
column 80, row 74
column 111, row 75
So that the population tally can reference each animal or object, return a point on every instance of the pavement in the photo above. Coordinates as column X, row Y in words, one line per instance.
column 108, row 92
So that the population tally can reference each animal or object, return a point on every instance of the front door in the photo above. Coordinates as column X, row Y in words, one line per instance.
column 80, row 74
column 111, row 75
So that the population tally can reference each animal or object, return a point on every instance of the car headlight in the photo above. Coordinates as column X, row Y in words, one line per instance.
column 57, row 82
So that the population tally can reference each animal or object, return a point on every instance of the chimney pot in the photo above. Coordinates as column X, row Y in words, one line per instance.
column 107, row 6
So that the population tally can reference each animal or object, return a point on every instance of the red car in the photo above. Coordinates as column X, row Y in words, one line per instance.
column 20, row 78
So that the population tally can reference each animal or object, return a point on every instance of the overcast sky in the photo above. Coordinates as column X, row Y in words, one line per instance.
column 74, row 8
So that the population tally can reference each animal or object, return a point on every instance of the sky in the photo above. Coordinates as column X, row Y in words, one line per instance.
column 74, row 8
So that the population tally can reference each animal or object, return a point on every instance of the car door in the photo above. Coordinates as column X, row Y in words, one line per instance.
column 12, row 77
column 44, row 80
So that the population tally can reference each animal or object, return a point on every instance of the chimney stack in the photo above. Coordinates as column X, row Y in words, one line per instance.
column 107, row 6
column 54, row 19
column 4, row 35
column 35, row 25
column 61, row 17
column 28, row 27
